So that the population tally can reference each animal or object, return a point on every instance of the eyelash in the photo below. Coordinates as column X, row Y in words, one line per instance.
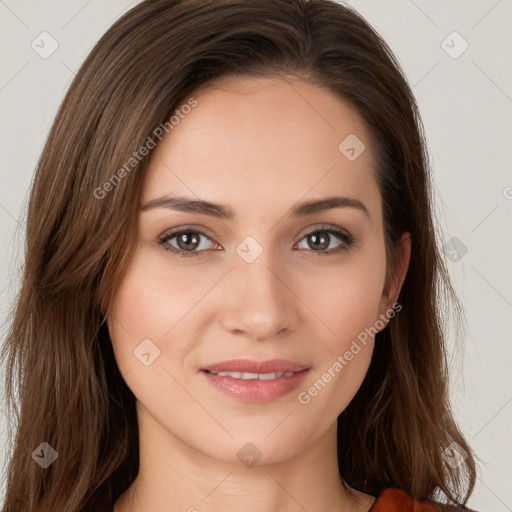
column 347, row 240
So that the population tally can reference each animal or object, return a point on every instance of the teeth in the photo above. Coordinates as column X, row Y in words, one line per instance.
column 249, row 376
column 270, row 376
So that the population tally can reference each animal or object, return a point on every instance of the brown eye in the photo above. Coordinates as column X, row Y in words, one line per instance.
column 320, row 239
column 185, row 242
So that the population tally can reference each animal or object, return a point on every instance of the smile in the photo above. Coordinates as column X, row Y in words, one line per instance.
column 251, row 376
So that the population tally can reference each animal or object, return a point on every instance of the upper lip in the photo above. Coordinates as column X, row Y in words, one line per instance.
column 252, row 366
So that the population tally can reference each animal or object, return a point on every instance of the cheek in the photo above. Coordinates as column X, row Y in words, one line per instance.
column 349, row 311
column 152, row 299
column 139, row 311
column 159, row 302
column 347, row 302
column 347, row 298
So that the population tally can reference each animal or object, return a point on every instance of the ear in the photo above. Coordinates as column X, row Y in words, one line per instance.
column 394, row 283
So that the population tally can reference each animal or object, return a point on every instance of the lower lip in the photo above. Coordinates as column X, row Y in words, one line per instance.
column 256, row 390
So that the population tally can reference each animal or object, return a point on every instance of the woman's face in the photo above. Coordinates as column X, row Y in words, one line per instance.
column 268, row 281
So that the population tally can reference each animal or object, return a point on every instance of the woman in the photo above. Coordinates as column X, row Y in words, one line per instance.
column 233, row 290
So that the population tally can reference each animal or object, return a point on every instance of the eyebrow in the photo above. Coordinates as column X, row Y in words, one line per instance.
column 223, row 211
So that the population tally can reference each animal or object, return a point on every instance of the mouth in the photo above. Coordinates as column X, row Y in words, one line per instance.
column 252, row 381
column 251, row 367
column 254, row 376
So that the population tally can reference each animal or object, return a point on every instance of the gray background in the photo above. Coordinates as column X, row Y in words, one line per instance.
column 466, row 104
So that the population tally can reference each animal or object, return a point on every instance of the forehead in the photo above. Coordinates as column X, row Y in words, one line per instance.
column 250, row 140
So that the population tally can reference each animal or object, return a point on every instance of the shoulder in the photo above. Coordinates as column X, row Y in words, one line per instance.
column 397, row 500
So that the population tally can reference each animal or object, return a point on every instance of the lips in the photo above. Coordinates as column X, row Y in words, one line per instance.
column 247, row 380
column 259, row 367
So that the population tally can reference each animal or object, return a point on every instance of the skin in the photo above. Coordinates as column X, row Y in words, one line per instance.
column 258, row 146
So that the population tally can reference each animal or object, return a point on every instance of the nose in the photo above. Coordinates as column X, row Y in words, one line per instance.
column 258, row 299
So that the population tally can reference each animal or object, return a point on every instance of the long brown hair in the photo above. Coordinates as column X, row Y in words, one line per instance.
column 62, row 382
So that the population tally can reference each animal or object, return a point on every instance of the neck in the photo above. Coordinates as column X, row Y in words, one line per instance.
column 174, row 476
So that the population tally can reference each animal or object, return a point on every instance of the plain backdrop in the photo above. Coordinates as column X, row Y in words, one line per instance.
column 457, row 58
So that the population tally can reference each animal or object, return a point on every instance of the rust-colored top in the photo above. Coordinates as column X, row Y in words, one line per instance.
column 396, row 500
column 389, row 500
